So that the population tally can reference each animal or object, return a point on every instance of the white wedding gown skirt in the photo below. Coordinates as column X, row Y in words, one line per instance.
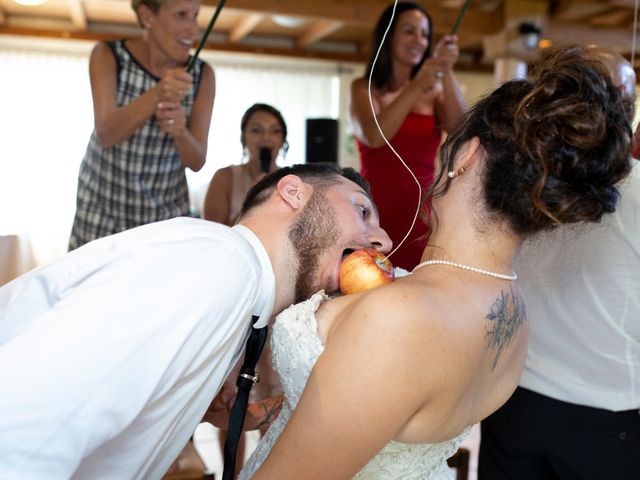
column 295, row 347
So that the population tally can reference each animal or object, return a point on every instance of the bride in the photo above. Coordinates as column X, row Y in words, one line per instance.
column 385, row 384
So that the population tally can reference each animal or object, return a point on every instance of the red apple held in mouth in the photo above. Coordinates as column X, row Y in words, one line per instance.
column 364, row 269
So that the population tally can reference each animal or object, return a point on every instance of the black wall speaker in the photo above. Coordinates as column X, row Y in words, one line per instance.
column 322, row 140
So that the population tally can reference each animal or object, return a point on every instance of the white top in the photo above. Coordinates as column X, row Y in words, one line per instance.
column 582, row 291
column 295, row 346
column 110, row 356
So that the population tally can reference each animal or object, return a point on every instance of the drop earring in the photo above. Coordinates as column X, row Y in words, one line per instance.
column 455, row 173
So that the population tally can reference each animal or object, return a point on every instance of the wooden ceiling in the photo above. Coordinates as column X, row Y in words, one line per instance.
column 340, row 29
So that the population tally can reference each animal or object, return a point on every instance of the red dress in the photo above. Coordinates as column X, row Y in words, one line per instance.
column 394, row 190
column 636, row 144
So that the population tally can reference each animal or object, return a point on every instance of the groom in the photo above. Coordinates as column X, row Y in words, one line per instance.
column 110, row 356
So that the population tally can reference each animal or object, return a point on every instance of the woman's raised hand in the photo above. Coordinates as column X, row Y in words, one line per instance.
column 175, row 85
column 447, row 49
column 431, row 72
column 172, row 118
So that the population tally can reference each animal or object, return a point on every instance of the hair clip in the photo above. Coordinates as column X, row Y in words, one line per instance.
column 455, row 173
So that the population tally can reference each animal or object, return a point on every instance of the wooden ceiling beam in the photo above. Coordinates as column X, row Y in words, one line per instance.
column 223, row 47
column 616, row 18
column 476, row 21
column 364, row 12
column 316, row 32
column 245, row 26
column 76, row 12
column 574, row 11
column 623, row 3
column 618, row 39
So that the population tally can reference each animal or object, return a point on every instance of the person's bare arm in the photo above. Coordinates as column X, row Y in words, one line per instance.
column 260, row 414
column 191, row 134
column 115, row 124
column 390, row 117
column 450, row 103
column 217, row 203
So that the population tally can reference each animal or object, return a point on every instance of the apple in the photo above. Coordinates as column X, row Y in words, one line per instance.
column 364, row 269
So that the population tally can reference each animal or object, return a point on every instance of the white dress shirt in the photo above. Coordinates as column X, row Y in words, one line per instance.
column 582, row 291
column 110, row 356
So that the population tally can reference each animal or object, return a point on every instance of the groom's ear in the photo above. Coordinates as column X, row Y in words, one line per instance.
column 293, row 191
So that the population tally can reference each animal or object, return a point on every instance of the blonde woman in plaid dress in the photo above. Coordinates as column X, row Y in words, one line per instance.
column 152, row 121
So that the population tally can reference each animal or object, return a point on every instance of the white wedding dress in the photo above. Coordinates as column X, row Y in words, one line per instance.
column 295, row 347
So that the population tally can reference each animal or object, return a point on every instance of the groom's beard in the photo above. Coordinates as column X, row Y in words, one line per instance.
column 312, row 234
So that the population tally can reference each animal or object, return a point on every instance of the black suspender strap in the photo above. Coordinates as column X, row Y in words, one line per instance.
column 246, row 378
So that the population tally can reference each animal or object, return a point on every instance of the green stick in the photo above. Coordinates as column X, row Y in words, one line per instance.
column 463, row 10
column 203, row 40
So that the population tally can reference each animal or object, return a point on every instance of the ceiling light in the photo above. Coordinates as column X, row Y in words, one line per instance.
column 30, row 3
column 545, row 43
column 530, row 35
column 287, row 21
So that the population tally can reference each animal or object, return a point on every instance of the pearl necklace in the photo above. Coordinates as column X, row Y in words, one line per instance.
column 501, row 276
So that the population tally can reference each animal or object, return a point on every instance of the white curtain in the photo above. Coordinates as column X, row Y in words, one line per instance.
column 47, row 118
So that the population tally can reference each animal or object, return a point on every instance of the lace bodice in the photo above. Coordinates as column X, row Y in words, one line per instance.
column 296, row 346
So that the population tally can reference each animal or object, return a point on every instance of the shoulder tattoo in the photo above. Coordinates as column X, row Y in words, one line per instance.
column 506, row 316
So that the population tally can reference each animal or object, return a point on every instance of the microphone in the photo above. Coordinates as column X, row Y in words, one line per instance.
column 265, row 159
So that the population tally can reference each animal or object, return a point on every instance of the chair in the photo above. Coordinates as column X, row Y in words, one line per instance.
column 460, row 461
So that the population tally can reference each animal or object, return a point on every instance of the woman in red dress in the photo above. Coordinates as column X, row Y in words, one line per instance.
column 415, row 96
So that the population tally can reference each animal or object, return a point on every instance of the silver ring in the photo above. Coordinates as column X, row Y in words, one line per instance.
column 439, row 75
column 170, row 121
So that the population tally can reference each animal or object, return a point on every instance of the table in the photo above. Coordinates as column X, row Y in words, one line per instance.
column 16, row 257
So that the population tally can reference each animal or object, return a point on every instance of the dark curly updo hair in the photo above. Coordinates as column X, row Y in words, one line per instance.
column 554, row 147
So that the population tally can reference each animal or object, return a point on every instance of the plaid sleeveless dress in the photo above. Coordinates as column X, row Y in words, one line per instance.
column 138, row 181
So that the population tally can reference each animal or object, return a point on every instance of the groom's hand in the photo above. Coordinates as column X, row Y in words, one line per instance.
column 260, row 414
column 218, row 411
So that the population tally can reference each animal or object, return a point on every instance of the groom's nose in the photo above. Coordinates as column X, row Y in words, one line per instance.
column 380, row 240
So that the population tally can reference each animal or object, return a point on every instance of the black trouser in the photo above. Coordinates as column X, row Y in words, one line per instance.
column 533, row 437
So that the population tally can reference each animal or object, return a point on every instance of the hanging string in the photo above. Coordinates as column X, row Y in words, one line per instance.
column 375, row 119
